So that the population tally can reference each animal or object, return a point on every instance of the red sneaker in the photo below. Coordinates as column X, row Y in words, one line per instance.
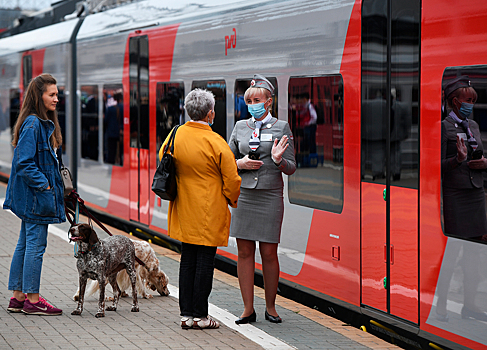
column 15, row 305
column 40, row 308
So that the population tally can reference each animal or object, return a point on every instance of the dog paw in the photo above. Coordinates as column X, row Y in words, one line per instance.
column 109, row 299
column 149, row 296
column 76, row 312
column 99, row 314
column 76, row 297
column 111, row 308
column 135, row 309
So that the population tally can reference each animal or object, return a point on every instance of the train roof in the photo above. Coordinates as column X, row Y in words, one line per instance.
column 150, row 13
column 38, row 38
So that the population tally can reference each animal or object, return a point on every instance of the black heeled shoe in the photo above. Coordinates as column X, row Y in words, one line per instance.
column 247, row 319
column 273, row 319
column 478, row 315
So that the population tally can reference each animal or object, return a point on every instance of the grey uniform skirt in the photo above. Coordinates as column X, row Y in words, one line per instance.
column 258, row 216
column 464, row 212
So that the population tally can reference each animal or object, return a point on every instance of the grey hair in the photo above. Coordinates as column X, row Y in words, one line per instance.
column 198, row 103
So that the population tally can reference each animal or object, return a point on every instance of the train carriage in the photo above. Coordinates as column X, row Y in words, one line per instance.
column 360, row 83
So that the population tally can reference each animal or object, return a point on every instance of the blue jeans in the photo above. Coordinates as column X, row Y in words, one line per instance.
column 26, row 266
column 195, row 279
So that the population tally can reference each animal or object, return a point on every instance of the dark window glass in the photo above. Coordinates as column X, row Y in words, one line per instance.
column 402, row 113
column 218, row 88
column 14, row 108
column 89, row 122
column 61, row 114
column 316, row 119
column 113, row 124
column 452, row 206
column 169, row 109
column 139, row 91
column 241, row 111
column 27, row 70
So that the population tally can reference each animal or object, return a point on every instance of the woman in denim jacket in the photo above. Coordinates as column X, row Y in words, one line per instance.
column 34, row 192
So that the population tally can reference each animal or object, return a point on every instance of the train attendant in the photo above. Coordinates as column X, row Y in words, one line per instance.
column 34, row 192
column 207, row 182
column 462, row 166
column 462, row 178
column 263, row 153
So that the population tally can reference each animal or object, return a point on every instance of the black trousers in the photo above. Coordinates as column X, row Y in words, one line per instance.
column 195, row 279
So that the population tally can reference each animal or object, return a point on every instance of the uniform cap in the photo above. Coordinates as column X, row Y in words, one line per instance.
column 260, row 82
column 457, row 83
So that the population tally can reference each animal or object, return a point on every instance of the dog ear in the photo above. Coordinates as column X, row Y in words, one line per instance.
column 93, row 238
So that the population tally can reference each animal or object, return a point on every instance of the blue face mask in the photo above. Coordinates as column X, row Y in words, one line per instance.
column 257, row 110
column 466, row 109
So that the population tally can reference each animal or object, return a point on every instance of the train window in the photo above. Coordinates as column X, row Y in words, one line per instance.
column 89, row 122
column 219, row 89
column 113, row 124
column 241, row 85
column 316, row 119
column 169, row 109
column 14, row 108
column 27, row 70
column 61, row 114
column 400, row 161
column 139, row 91
column 463, row 188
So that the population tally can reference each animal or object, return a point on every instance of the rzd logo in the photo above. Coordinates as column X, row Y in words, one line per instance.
column 230, row 41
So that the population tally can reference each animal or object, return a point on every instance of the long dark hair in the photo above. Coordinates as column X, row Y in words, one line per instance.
column 33, row 104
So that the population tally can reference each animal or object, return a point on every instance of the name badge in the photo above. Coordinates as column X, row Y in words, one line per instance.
column 266, row 137
column 462, row 136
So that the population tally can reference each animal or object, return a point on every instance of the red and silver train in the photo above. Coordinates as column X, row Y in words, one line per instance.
column 362, row 228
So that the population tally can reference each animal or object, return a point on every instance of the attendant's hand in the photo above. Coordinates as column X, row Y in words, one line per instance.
column 461, row 150
column 279, row 148
column 478, row 164
column 249, row 164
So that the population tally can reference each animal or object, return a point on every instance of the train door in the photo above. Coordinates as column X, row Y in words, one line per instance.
column 139, row 128
column 390, row 156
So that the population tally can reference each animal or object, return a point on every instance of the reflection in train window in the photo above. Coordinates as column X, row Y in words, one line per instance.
column 113, row 124
column 89, row 122
column 241, row 111
column 316, row 120
column 169, row 110
column 218, row 88
column 463, row 188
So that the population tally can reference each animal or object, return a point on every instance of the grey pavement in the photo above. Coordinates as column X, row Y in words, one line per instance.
column 156, row 326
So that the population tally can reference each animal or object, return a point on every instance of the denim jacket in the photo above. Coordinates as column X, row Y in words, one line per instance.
column 34, row 168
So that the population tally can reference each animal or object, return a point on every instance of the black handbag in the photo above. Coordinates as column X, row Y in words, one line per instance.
column 164, row 183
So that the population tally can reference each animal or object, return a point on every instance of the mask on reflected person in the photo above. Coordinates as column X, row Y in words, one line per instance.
column 466, row 109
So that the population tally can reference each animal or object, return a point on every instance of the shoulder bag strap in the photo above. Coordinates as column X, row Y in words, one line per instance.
column 170, row 143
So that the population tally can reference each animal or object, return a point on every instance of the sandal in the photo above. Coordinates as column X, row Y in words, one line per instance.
column 186, row 322
column 208, row 323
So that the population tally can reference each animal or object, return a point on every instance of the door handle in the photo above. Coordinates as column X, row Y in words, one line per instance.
column 392, row 254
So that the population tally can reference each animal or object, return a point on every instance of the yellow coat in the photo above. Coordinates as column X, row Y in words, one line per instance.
column 207, row 181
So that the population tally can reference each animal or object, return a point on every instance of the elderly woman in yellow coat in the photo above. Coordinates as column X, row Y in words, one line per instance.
column 199, row 217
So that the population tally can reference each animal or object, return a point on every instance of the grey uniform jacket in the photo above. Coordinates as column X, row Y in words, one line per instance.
column 268, row 176
column 455, row 175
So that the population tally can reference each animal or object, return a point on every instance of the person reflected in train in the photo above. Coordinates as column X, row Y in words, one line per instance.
column 34, row 192
column 263, row 147
column 401, row 121
column 207, row 182
column 113, row 126
column 464, row 214
column 241, row 111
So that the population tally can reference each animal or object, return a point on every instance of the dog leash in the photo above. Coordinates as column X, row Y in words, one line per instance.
column 75, row 200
